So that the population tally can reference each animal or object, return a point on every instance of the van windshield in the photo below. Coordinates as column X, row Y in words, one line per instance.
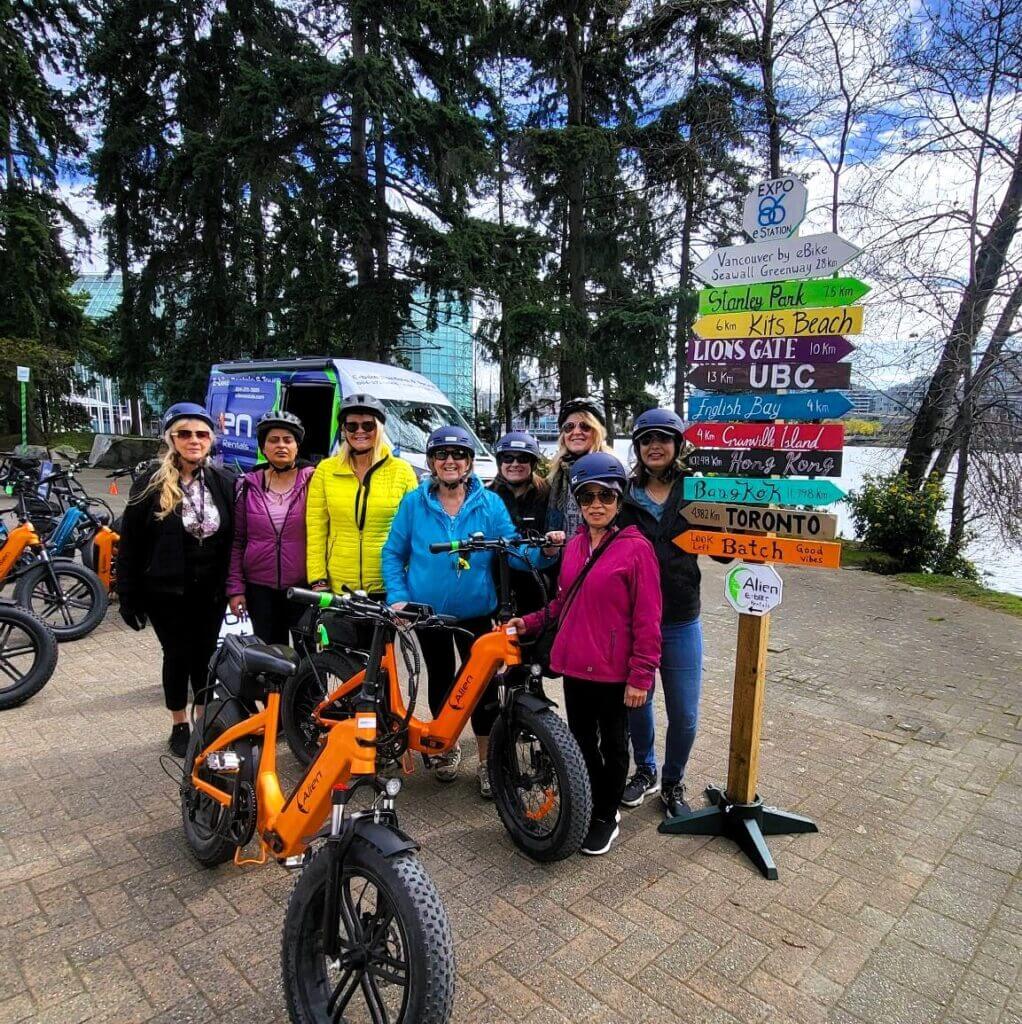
column 410, row 423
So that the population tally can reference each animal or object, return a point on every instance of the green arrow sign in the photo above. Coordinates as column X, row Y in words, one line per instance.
column 752, row 298
column 744, row 491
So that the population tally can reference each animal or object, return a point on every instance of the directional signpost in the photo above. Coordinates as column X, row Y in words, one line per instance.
column 761, row 492
column 800, row 437
column 754, row 298
column 774, row 208
column 819, row 554
column 771, row 376
column 817, row 405
column 787, row 522
column 826, row 349
column 781, row 323
column 791, row 259
column 764, row 462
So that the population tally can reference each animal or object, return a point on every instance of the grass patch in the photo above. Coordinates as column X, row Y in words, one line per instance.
column 855, row 556
column 81, row 440
column 975, row 593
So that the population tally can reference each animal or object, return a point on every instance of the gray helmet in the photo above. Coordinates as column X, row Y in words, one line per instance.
column 362, row 402
column 282, row 420
column 518, row 441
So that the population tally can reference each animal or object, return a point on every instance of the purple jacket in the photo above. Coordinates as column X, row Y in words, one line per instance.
column 259, row 554
column 611, row 632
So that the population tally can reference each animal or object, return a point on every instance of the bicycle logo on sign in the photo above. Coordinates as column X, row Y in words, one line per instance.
column 771, row 211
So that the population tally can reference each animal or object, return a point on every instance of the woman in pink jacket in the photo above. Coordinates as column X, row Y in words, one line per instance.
column 607, row 647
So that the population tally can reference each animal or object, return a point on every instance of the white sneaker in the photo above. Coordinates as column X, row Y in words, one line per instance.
column 483, row 775
column 445, row 767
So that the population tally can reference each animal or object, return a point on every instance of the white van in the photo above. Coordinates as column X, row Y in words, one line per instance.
column 312, row 388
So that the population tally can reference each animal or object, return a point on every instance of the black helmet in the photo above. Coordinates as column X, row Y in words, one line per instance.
column 283, row 420
column 598, row 468
column 185, row 411
column 666, row 420
column 580, row 405
column 518, row 441
column 445, row 437
column 362, row 402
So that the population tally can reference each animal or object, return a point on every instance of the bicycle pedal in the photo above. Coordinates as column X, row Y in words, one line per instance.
column 223, row 761
column 243, row 861
column 407, row 763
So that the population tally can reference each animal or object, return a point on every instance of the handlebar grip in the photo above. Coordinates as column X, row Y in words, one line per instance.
column 315, row 598
column 441, row 546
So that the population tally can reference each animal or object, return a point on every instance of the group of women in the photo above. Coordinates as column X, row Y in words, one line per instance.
column 624, row 598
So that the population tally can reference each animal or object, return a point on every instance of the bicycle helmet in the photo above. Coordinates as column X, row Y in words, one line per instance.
column 362, row 402
column 185, row 411
column 580, row 405
column 284, row 420
column 598, row 468
column 666, row 420
column 518, row 441
column 444, row 437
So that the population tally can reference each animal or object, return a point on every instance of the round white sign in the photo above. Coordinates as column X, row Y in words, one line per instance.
column 752, row 588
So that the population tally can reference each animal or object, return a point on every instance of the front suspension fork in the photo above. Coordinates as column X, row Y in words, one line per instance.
column 342, row 831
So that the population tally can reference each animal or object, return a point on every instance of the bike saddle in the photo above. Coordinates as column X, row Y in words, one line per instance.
column 270, row 660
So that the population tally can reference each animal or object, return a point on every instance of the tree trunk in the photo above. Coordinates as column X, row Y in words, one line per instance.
column 967, row 324
column 956, row 531
column 682, row 312
column 770, row 105
column 364, row 344
column 608, row 410
column 262, row 318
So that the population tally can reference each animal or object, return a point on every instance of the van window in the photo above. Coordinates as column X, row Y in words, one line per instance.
column 410, row 423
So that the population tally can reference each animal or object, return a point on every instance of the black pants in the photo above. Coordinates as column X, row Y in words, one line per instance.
column 273, row 615
column 438, row 654
column 598, row 719
column 187, row 626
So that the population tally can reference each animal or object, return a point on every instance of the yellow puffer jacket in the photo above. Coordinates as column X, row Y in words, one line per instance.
column 348, row 522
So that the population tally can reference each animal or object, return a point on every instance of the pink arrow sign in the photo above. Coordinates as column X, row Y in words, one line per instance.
column 795, row 437
column 828, row 349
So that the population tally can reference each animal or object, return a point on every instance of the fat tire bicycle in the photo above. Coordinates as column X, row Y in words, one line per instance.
column 28, row 654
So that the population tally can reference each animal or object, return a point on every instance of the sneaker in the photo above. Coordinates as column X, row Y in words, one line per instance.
column 641, row 785
column 483, row 775
column 600, row 838
column 445, row 767
column 672, row 796
column 179, row 737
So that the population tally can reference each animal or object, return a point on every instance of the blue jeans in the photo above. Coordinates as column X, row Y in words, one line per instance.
column 681, row 675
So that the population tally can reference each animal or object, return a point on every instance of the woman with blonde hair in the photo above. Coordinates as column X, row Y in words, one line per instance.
column 582, row 430
column 173, row 556
column 353, row 498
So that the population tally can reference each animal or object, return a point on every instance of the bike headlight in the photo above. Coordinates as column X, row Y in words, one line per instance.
column 392, row 787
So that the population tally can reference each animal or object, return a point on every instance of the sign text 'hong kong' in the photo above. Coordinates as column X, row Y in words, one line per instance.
column 764, row 462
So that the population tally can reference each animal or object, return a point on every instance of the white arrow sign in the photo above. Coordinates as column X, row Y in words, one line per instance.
column 792, row 258
column 774, row 208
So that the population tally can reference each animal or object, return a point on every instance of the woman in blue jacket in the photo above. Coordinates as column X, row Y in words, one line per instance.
column 450, row 504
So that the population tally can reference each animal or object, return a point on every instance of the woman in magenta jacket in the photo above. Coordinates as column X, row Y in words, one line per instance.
column 268, row 555
column 607, row 645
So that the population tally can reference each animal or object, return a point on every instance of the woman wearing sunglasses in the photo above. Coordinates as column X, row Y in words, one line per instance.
column 268, row 553
column 607, row 646
column 173, row 555
column 652, row 504
column 581, row 430
column 450, row 504
column 525, row 494
column 353, row 498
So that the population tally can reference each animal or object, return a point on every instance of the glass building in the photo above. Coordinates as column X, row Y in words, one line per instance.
column 445, row 355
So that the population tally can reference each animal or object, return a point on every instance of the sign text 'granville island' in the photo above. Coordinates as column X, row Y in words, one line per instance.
column 787, row 436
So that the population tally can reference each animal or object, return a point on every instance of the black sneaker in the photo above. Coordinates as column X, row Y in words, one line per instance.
column 178, row 741
column 672, row 796
column 641, row 785
column 601, row 835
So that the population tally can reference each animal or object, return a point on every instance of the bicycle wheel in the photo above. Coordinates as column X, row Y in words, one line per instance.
column 74, row 607
column 28, row 655
column 397, row 952
column 540, row 784
column 317, row 675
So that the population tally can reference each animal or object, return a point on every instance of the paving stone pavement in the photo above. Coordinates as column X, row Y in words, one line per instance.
column 892, row 718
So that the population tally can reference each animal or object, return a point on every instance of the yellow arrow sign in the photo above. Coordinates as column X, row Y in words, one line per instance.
column 781, row 323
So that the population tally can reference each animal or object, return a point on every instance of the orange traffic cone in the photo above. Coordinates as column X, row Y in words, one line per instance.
column 113, row 487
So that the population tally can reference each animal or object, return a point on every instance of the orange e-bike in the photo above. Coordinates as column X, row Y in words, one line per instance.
column 537, row 773
column 366, row 936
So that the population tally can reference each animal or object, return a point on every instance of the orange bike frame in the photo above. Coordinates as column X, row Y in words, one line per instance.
column 21, row 537
column 105, row 541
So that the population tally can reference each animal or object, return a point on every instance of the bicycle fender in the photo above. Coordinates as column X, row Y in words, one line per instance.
column 389, row 840
column 532, row 702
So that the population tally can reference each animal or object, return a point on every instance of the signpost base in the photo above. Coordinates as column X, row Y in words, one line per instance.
column 745, row 824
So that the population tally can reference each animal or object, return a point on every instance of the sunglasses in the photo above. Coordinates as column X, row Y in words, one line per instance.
column 187, row 435
column 458, row 454
column 509, row 457
column 655, row 435
column 572, row 425
column 605, row 496
column 360, row 426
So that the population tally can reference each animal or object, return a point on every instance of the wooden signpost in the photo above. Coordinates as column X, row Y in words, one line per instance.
column 786, row 522
column 753, row 298
column 799, row 437
column 819, row 554
column 817, row 405
column 781, row 323
column 764, row 462
column 771, row 376
column 741, row 491
column 785, row 260
column 825, row 349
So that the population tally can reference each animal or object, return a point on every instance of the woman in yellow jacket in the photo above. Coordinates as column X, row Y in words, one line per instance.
column 353, row 497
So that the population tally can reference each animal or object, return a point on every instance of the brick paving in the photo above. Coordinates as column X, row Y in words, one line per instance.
column 897, row 728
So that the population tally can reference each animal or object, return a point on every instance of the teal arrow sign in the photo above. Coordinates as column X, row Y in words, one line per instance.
column 819, row 405
column 761, row 492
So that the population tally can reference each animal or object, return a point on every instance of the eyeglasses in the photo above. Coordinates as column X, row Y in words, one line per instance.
column 360, row 426
column 443, row 454
column 572, row 425
column 605, row 496
column 655, row 435
column 506, row 458
column 187, row 435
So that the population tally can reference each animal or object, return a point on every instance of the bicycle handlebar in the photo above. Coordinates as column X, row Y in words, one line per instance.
column 361, row 604
column 477, row 542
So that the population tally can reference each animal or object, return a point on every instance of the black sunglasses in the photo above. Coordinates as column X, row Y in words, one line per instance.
column 506, row 458
column 605, row 496
column 355, row 426
column 655, row 435
column 187, row 435
column 443, row 454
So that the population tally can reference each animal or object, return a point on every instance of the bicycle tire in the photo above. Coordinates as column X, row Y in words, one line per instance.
column 43, row 645
column 303, row 691
column 34, row 586
column 562, row 762
column 418, row 938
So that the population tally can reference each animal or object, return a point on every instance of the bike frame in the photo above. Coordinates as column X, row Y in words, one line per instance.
column 21, row 537
column 105, row 541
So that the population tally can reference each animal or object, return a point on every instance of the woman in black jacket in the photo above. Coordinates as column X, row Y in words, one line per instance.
column 173, row 556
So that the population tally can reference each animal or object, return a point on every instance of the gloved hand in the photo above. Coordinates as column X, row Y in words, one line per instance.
column 133, row 616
